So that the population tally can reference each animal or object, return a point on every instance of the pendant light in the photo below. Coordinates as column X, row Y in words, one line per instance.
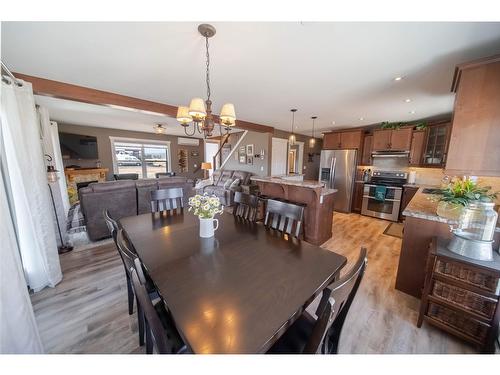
column 312, row 141
column 199, row 111
column 292, row 139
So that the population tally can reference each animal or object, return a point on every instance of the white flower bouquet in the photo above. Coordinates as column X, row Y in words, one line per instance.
column 205, row 206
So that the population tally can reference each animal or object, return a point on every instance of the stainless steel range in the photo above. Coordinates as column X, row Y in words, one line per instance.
column 382, row 195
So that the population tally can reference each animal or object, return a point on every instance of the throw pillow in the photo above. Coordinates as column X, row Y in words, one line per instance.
column 235, row 184
column 227, row 183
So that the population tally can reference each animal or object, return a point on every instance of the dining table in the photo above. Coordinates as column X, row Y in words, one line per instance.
column 236, row 292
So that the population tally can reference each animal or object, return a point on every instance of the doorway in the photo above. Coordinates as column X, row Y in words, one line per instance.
column 211, row 148
column 292, row 160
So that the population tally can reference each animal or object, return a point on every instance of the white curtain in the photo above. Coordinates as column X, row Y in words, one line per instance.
column 23, row 168
column 18, row 329
column 50, row 144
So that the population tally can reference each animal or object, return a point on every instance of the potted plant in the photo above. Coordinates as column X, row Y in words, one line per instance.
column 458, row 194
column 206, row 207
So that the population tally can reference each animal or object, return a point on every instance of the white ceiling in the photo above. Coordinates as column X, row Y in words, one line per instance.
column 337, row 71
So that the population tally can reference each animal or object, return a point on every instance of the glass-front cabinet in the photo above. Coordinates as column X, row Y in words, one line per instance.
column 436, row 145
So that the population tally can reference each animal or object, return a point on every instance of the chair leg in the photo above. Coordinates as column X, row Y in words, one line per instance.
column 140, row 324
column 149, row 339
column 130, row 293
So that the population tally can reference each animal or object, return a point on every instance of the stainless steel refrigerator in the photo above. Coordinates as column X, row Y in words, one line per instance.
column 338, row 170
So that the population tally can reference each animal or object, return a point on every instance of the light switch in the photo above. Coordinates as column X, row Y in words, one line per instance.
column 262, row 168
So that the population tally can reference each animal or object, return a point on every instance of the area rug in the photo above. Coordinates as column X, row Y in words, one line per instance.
column 394, row 230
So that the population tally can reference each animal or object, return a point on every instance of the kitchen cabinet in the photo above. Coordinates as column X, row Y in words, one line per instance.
column 417, row 148
column 408, row 193
column 366, row 158
column 475, row 133
column 331, row 141
column 357, row 201
column 401, row 139
column 392, row 139
column 343, row 140
column 436, row 145
column 381, row 140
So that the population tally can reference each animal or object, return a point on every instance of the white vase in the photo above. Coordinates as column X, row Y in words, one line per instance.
column 207, row 227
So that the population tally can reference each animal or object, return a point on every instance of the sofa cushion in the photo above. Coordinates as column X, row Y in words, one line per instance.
column 226, row 175
column 97, row 187
column 243, row 176
column 144, row 189
column 236, row 182
column 120, row 201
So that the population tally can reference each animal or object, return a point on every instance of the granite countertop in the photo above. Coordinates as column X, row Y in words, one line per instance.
column 313, row 184
column 421, row 206
column 326, row 191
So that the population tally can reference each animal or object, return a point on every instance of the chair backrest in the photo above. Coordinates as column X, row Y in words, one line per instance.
column 111, row 223
column 333, row 308
column 164, row 174
column 163, row 346
column 285, row 217
column 245, row 206
column 167, row 199
column 126, row 176
column 130, row 259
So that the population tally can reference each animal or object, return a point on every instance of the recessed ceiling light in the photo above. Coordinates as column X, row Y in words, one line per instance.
column 412, row 112
column 398, row 78
column 333, row 122
column 407, row 100
column 361, row 118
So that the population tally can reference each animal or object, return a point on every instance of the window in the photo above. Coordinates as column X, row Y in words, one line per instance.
column 141, row 156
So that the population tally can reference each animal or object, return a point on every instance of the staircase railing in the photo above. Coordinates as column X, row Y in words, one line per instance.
column 233, row 150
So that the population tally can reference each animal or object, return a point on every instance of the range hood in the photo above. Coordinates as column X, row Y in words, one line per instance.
column 390, row 154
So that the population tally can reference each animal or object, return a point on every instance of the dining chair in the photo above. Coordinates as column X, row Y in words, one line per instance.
column 285, row 217
column 245, row 206
column 308, row 335
column 126, row 176
column 113, row 230
column 167, row 199
column 160, row 328
column 131, row 260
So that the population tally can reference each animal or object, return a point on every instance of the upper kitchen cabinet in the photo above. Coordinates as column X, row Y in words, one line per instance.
column 331, row 141
column 343, row 140
column 436, row 145
column 475, row 135
column 417, row 148
column 366, row 158
column 392, row 139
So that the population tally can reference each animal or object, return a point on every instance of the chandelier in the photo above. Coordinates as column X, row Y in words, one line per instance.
column 199, row 112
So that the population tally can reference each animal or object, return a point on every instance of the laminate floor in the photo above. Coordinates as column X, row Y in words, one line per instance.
column 87, row 311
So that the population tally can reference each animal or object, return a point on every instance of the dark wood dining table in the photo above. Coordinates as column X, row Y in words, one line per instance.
column 236, row 292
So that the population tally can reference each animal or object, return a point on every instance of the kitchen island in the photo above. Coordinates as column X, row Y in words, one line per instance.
column 421, row 224
column 318, row 201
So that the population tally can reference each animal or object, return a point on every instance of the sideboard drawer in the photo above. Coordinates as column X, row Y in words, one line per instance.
column 471, row 327
column 466, row 299
column 459, row 271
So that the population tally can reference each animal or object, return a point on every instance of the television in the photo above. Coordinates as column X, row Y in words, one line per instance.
column 76, row 146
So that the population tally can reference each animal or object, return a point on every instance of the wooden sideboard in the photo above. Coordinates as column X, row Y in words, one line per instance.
column 461, row 296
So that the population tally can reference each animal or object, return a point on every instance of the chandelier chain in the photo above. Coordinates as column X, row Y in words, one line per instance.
column 208, row 68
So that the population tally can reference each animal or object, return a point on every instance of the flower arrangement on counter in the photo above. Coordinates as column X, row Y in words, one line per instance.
column 461, row 191
column 458, row 194
column 205, row 206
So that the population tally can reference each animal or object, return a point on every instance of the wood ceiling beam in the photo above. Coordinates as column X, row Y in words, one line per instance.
column 62, row 90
